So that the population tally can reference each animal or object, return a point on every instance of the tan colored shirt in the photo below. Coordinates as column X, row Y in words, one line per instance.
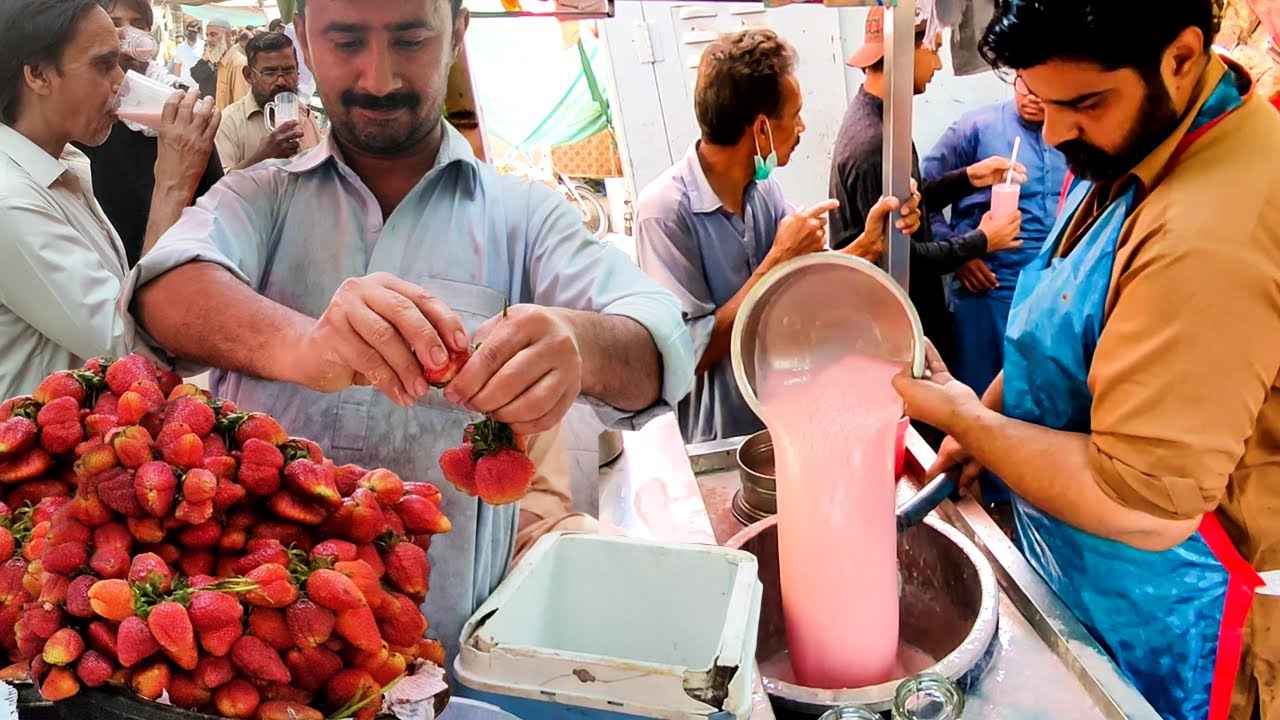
column 244, row 127
column 232, row 84
column 61, row 266
column 1186, row 376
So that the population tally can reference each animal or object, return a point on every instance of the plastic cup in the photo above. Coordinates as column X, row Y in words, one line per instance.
column 139, row 44
column 142, row 99
column 1004, row 200
column 284, row 108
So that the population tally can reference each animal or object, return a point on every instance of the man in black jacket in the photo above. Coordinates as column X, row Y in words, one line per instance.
column 857, row 182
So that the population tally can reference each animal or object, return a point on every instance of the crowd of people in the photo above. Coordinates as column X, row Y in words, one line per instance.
column 1116, row 340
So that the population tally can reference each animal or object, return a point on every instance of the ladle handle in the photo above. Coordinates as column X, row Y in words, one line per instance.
column 914, row 511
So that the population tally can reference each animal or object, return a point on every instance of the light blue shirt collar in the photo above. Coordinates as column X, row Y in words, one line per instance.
column 702, row 198
column 454, row 148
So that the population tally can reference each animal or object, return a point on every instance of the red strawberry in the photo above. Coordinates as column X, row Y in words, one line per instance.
column 146, row 530
column 197, row 562
column 61, row 438
column 99, row 459
column 347, row 478
column 400, row 621
column 113, row 536
column 150, row 392
column 77, row 602
column 102, row 637
column 109, row 563
column 262, row 552
column 441, row 377
column 309, row 624
column 359, row 628
column 258, row 660
column 289, row 506
column 274, row 588
column 123, row 373
column 333, row 590
column 185, row 692
column 132, row 407
column 193, row 412
column 407, row 569
column 504, row 477
column 348, row 685
column 269, row 625
column 108, row 403
column 185, row 450
column 60, row 411
column 171, row 628
column 312, row 481
column 369, row 554
column 88, row 508
column 25, row 466
column 420, row 515
column 95, row 669
column 133, row 446
column 17, row 435
column 167, row 380
column 232, row 542
column 237, row 699
column 366, row 520
column 65, row 647
column 229, row 493
column 384, row 484
column 157, row 487
column 187, row 390
column 64, row 383
column 151, row 570
column 424, row 490
column 194, row 513
column 366, row 580
column 213, row 447
column 116, row 490
column 204, row 536
column 60, row 684
column 261, row 427
column 219, row 642
column 135, row 642
column 54, row 589
column 312, row 667
column 214, row 672
column 210, row 610
column 287, row 710
column 66, row 558
column 151, row 680
column 112, row 599
column 334, row 550
column 98, row 425
column 199, row 485
column 286, row 533
column 459, row 468
column 7, row 544
column 260, row 465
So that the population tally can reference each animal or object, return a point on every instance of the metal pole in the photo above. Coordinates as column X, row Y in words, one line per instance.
column 899, row 68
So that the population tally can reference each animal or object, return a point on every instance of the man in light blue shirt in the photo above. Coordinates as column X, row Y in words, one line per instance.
column 405, row 247
column 714, row 225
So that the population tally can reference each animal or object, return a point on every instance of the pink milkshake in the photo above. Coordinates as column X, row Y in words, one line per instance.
column 834, row 436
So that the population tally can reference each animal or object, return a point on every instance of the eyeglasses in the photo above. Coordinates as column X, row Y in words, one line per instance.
column 274, row 75
column 1020, row 87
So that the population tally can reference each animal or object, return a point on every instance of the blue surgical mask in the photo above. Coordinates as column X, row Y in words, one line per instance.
column 766, row 165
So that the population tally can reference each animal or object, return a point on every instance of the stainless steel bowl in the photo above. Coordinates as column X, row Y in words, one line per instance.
column 756, row 471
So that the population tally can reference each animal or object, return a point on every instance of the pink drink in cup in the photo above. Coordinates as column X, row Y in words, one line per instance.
column 142, row 99
column 1004, row 200
column 835, row 435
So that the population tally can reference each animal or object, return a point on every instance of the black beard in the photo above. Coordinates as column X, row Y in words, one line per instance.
column 1156, row 120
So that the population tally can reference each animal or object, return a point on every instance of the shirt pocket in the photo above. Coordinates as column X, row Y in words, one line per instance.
column 474, row 305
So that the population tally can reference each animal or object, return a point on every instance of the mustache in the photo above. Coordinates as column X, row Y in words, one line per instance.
column 402, row 100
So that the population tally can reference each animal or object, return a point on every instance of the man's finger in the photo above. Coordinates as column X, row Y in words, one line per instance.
column 820, row 209
column 187, row 106
column 516, row 376
column 169, row 114
column 446, row 322
column 412, row 327
column 365, row 360
column 533, row 401
column 394, row 356
column 548, row 421
column 495, row 352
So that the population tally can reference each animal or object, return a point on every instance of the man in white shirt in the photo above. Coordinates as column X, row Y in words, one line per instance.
column 189, row 53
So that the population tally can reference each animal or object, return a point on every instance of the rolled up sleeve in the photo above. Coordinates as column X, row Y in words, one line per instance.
column 571, row 269
column 1184, row 366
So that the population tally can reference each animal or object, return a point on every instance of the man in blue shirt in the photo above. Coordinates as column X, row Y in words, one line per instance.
column 982, row 289
column 715, row 224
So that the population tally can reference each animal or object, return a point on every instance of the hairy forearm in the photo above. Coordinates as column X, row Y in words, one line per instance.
column 168, row 200
column 621, row 364
column 225, row 325
column 1050, row 469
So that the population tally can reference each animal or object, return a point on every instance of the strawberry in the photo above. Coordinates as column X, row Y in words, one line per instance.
column 7, row 544
column 199, row 485
column 61, row 438
column 146, row 530
column 151, row 680
column 214, row 672
column 135, row 642
column 366, row 520
column 99, row 459
column 390, row 669
column 237, row 699
column 400, row 621
column 54, row 589
column 112, row 599
column 185, row 692
column 347, row 478
column 258, row 660
column 369, row 555
column 195, row 413
column 269, row 624
column 102, row 637
column 17, row 435
column 64, row 383
column 116, row 491
column 171, row 627
column 286, row 533
column 60, row 684
column 213, row 447
column 123, row 373
column 194, row 513
column 260, row 427
column 312, row 481
column 441, row 377
column 187, row 390
column 360, row 628
column 65, row 647
column 220, row 641
column 150, row 392
column 109, row 563
column 78, row 596
column 260, row 466
column 108, row 403
column 274, row 588
column 33, row 463
column 113, row 535
column 459, row 468
column 312, row 667
column 210, row 610
column 350, row 685
column 504, row 477
column 262, row 552
column 66, row 558
column 94, row 669
column 151, row 570
column 420, row 515
column 229, row 493
column 133, row 446
column 197, row 562
column 89, row 509
column 407, row 569
column 186, row 450
column 424, row 490
column 132, row 407
column 335, row 591
column 385, row 485
column 157, row 487
column 287, row 710
column 98, row 425
column 334, row 551
column 309, row 624
column 232, row 542
column 204, row 536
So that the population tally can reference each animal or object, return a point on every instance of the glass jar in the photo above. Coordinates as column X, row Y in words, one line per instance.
column 849, row 712
column 928, row 697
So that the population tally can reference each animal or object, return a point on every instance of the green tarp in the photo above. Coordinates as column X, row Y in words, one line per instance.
column 237, row 16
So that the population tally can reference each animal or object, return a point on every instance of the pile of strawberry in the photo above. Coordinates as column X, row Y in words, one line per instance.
column 183, row 548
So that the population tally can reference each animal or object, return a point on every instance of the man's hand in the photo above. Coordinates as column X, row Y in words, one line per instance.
column 870, row 245
column 993, row 170
column 283, row 142
column 977, row 277
column 803, row 232
column 527, row 371
column 1002, row 234
column 952, row 454
column 378, row 330
column 187, row 130
column 939, row 399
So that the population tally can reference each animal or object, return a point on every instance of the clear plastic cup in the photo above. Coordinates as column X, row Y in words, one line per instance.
column 1004, row 200
column 139, row 44
column 142, row 99
column 284, row 108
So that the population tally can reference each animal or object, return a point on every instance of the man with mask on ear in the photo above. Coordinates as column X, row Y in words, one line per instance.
column 714, row 224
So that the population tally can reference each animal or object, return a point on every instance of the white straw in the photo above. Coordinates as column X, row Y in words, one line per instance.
column 1013, row 160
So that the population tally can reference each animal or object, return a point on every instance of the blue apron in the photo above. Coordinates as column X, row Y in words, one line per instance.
column 1172, row 621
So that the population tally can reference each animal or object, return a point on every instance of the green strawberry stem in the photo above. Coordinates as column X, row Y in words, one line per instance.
column 357, row 703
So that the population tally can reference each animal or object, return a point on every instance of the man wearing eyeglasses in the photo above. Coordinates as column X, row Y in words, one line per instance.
column 244, row 139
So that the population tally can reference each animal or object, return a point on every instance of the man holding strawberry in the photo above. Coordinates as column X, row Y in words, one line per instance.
column 374, row 258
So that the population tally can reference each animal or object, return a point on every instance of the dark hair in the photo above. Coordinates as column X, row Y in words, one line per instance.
column 1115, row 34
column 878, row 66
column 456, row 4
column 33, row 33
column 267, row 42
column 142, row 7
column 740, row 79
column 275, row 25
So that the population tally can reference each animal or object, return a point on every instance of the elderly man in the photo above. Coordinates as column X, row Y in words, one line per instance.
column 244, row 140
column 373, row 257
column 226, row 61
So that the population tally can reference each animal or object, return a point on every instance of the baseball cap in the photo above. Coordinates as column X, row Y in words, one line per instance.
column 872, row 50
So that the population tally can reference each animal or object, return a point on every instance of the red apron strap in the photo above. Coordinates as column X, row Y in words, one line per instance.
column 1066, row 189
column 1242, row 581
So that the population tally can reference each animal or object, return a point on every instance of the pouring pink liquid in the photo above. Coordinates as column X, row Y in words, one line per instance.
column 834, row 436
